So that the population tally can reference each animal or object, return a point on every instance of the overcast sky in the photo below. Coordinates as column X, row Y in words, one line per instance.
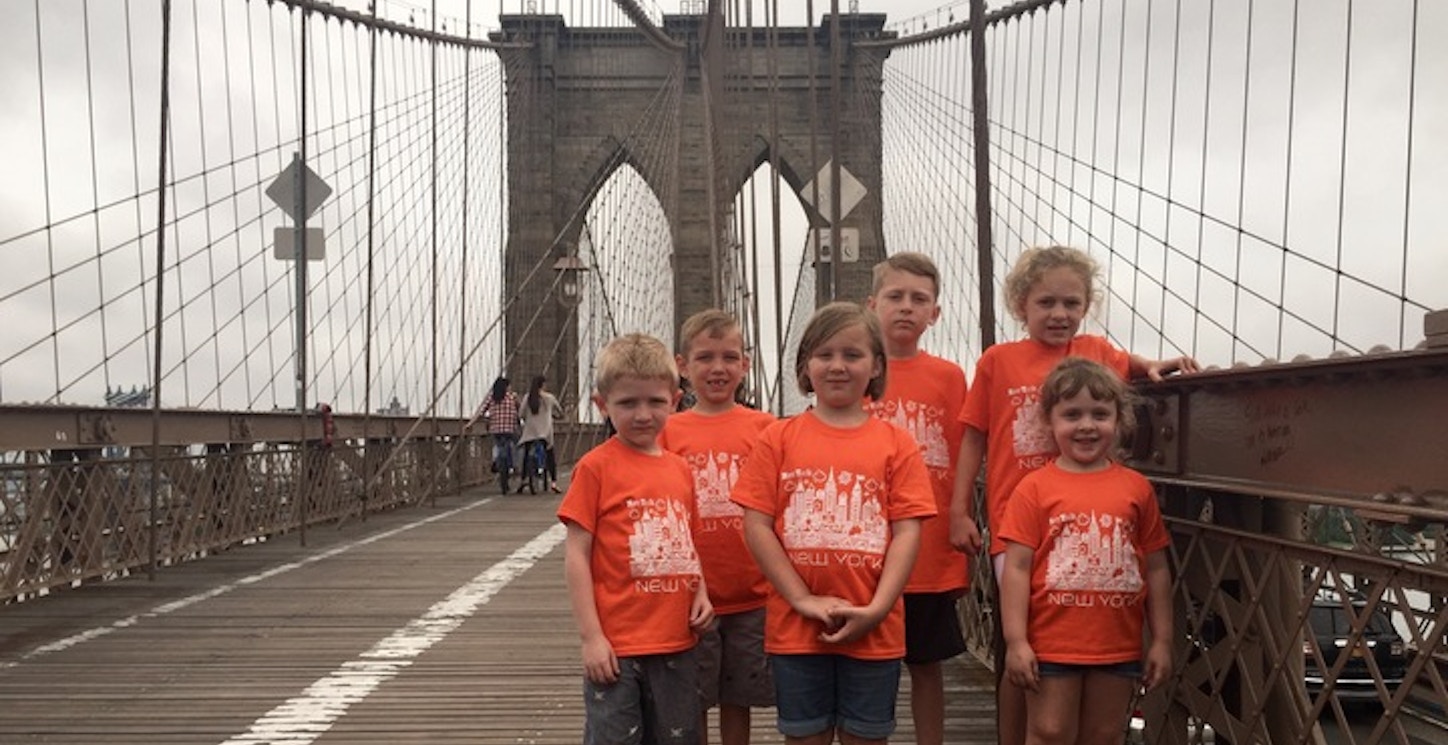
column 1243, row 168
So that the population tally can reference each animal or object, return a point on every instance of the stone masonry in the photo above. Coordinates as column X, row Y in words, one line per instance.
column 582, row 102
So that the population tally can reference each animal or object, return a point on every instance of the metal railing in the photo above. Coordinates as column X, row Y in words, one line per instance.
column 88, row 498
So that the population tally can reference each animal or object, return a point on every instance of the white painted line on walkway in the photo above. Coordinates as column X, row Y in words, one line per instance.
column 303, row 719
column 175, row 605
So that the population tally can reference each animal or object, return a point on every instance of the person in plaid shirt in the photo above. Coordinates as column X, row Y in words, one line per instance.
column 500, row 408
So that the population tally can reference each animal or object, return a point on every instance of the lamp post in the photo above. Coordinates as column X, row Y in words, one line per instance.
column 569, row 296
column 570, row 286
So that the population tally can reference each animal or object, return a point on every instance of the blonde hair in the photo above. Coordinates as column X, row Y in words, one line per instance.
column 909, row 262
column 633, row 356
column 712, row 321
column 1074, row 374
column 831, row 320
column 1033, row 263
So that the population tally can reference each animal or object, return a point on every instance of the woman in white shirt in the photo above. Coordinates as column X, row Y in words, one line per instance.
column 540, row 408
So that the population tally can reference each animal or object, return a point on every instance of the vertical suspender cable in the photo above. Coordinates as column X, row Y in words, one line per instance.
column 772, row 20
column 370, row 482
column 1202, row 204
column 1407, row 198
column 155, row 498
column 836, row 94
column 1342, row 176
column 980, row 117
column 713, row 35
column 432, row 390
column 823, row 291
column 754, row 288
column 467, row 169
column 529, row 88
column 300, row 260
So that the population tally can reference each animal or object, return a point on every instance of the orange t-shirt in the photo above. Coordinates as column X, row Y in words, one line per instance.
column 1004, row 403
column 639, row 509
column 715, row 447
column 923, row 396
column 833, row 493
column 1091, row 533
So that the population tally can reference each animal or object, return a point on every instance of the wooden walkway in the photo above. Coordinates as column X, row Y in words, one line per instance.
column 434, row 625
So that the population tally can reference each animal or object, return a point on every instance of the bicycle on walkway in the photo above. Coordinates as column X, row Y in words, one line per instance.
column 535, row 467
column 502, row 460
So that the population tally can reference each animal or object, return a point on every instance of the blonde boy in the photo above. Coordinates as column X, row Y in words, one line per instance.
column 633, row 576
column 923, row 394
column 715, row 437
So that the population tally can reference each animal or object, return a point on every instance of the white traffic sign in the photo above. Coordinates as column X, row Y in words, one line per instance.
column 285, row 244
column 849, row 245
column 283, row 190
column 851, row 192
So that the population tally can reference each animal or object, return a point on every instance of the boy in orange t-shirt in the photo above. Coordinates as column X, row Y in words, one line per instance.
column 633, row 576
column 833, row 501
column 923, row 395
column 714, row 437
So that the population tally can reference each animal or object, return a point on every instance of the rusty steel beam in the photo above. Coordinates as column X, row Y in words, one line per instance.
column 42, row 427
column 31, row 428
column 1367, row 432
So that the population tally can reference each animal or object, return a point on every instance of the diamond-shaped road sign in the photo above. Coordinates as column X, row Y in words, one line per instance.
column 851, row 192
column 283, row 190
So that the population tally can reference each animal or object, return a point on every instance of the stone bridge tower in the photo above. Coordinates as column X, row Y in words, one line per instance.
column 576, row 98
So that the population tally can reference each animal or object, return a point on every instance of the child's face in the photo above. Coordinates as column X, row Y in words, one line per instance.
column 1085, row 431
column 905, row 305
column 637, row 407
column 715, row 367
column 842, row 367
column 1055, row 306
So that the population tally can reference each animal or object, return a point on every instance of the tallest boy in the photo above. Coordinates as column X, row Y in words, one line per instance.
column 923, row 394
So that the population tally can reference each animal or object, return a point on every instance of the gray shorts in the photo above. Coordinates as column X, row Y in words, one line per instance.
column 654, row 700
column 733, row 668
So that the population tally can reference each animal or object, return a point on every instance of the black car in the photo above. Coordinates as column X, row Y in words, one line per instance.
column 1332, row 625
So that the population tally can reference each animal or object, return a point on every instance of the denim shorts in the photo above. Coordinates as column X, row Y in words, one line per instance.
column 814, row 692
column 1130, row 669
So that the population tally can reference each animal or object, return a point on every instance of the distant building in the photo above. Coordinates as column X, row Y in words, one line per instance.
column 394, row 409
column 135, row 398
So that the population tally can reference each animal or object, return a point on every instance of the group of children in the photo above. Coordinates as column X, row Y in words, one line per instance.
column 721, row 557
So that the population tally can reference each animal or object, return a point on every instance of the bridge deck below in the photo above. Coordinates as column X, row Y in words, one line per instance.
column 414, row 627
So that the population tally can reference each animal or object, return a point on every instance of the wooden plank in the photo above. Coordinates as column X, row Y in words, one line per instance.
column 239, row 644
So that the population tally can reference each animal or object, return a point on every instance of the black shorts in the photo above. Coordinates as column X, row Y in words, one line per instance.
column 932, row 627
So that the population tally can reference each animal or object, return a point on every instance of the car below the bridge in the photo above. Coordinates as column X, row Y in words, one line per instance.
column 1378, row 649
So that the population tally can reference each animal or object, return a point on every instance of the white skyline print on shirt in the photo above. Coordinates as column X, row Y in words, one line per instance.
column 833, row 510
column 714, row 477
column 924, row 423
column 661, row 544
column 1029, row 433
column 1092, row 552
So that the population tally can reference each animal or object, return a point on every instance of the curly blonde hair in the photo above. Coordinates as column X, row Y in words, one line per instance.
column 1033, row 263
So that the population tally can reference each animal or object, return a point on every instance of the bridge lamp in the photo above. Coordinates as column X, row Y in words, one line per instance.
column 571, row 284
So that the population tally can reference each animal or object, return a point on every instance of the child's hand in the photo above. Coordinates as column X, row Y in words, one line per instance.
column 1021, row 668
column 964, row 535
column 701, row 614
column 600, row 665
column 851, row 622
column 1156, row 369
column 819, row 608
column 1158, row 664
